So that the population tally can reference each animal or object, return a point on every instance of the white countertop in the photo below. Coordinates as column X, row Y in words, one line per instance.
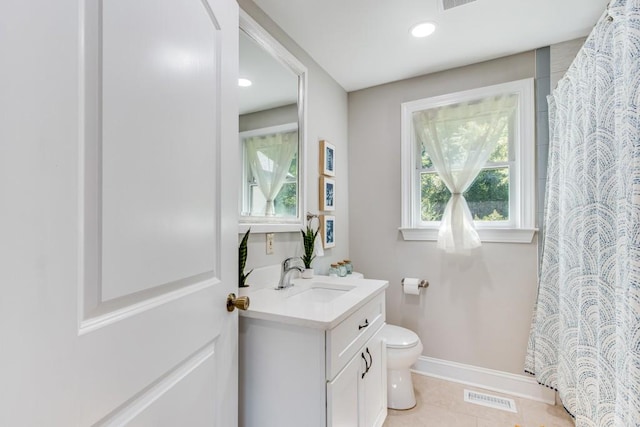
column 283, row 306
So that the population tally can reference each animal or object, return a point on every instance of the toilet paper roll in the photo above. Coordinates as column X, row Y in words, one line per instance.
column 411, row 286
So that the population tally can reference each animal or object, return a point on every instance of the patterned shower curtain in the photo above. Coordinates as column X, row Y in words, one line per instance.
column 585, row 336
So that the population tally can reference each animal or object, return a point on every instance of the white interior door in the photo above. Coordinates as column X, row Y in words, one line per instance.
column 118, row 223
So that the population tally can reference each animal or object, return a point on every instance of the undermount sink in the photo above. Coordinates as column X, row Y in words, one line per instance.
column 321, row 302
column 303, row 291
column 320, row 293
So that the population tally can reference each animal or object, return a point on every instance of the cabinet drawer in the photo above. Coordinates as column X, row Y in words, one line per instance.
column 344, row 341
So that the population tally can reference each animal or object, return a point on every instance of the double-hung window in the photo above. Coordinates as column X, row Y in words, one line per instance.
column 270, row 172
column 479, row 144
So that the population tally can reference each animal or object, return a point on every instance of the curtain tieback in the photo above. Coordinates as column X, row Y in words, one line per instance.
column 456, row 194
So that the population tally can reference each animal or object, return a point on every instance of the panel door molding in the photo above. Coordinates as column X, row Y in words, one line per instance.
column 148, row 191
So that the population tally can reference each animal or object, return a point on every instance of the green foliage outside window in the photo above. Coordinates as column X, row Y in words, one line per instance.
column 285, row 203
column 488, row 196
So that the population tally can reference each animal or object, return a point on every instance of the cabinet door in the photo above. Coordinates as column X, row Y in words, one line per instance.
column 357, row 397
column 344, row 402
column 374, row 383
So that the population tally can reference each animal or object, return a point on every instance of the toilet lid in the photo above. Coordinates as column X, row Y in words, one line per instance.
column 398, row 337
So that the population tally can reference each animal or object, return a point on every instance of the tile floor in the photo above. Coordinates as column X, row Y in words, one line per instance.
column 441, row 404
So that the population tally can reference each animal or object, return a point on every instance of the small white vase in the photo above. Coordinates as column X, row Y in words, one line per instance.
column 307, row 273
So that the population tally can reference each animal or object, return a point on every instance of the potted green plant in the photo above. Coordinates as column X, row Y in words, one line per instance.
column 242, row 260
column 308, row 240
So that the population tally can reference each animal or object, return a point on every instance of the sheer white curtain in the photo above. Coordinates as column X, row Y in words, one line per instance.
column 269, row 159
column 459, row 139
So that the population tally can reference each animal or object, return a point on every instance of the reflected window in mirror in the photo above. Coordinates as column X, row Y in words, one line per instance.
column 271, row 127
column 270, row 171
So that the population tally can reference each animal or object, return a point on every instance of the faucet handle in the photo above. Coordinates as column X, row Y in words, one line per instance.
column 287, row 261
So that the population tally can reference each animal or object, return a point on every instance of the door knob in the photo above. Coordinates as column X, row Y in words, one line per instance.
column 241, row 303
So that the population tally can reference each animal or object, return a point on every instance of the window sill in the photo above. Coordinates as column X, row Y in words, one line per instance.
column 487, row 235
column 270, row 228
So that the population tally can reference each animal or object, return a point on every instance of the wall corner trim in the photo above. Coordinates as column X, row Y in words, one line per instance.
column 488, row 379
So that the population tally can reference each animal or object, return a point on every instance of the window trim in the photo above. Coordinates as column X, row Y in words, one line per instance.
column 522, row 226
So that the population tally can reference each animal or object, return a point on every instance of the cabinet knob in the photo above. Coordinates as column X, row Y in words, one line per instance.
column 241, row 303
column 364, row 325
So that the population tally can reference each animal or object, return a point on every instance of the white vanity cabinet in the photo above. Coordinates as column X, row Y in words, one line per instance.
column 292, row 374
column 357, row 395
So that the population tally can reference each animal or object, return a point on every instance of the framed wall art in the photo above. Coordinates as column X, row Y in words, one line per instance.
column 327, row 229
column 327, row 158
column 327, row 194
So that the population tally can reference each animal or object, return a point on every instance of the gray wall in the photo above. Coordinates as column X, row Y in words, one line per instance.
column 543, row 88
column 562, row 55
column 327, row 117
column 477, row 309
column 267, row 118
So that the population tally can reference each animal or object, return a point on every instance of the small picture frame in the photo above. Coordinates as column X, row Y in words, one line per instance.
column 327, row 158
column 327, row 194
column 328, row 230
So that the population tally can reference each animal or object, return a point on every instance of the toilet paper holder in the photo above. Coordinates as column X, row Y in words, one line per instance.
column 422, row 284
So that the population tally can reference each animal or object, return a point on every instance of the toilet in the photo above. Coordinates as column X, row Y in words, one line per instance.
column 403, row 349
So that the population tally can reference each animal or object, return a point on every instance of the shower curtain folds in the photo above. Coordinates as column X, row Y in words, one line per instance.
column 585, row 335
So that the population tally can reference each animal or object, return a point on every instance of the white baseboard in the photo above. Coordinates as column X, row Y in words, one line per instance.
column 488, row 379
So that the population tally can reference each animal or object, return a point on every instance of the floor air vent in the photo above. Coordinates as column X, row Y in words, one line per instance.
column 450, row 4
column 490, row 401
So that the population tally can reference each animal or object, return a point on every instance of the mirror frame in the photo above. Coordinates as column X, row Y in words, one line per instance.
column 266, row 41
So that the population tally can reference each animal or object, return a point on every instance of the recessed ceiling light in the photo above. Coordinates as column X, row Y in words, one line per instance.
column 423, row 29
column 244, row 82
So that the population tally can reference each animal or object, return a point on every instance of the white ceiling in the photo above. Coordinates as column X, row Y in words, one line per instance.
column 273, row 86
column 363, row 43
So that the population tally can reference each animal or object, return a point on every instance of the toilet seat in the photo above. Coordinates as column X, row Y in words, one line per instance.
column 398, row 337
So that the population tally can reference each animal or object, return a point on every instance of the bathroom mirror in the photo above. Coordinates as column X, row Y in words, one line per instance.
column 272, row 134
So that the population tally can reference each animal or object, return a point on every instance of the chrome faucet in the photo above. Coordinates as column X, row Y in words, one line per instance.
column 285, row 280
